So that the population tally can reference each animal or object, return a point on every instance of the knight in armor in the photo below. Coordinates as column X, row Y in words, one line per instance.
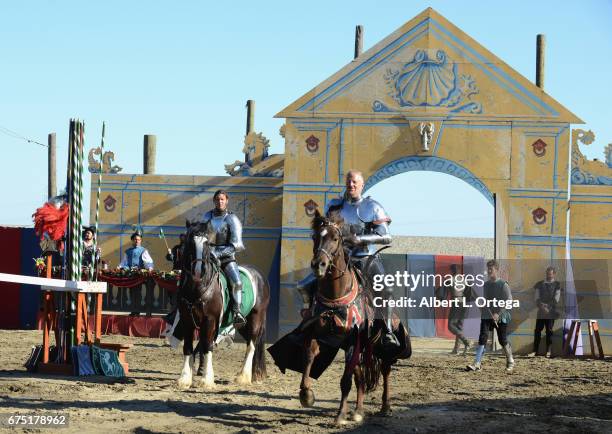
column 547, row 296
column 224, row 233
column 136, row 257
column 366, row 225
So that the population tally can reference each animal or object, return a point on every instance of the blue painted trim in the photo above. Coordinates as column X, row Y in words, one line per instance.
column 369, row 66
column 492, row 70
column 591, row 241
column 127, row 229
column 202, row 187
column 305, row 191
column 573, row 247
column 603, row 196
column 552, row 238
column 495, row 68
column 573, row 201
column 341, row 153
column 538, row 190
column 196, row 192
column 139, row 207
column 434, row 164
column 537, row 197
column 329, row 186
column 327, row 156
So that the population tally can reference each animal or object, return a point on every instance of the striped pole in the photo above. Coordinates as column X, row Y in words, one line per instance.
column 93, row 274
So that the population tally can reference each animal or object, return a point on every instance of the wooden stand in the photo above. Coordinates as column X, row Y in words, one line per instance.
column 593, row 337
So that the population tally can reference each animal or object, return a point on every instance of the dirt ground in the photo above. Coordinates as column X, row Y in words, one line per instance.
column 431, row 392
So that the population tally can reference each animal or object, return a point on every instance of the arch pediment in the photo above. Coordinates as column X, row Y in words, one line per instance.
column 429, row 67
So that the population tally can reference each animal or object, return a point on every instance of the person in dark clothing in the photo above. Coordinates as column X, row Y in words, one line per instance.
column 547, row 296
column 494, row 317
column 174, row 254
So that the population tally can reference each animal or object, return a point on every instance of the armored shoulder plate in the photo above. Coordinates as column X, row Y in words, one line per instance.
column 235, row 231
column 334, row 204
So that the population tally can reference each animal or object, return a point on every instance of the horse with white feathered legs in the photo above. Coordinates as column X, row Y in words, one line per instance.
column 204, row 305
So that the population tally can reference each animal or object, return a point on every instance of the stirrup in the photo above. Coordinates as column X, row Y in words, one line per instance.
column 239, row 320
column 389, row 339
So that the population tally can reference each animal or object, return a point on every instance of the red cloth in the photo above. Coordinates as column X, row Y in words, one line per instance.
column 123, row 282
column 136, row 326
column 10, row 262
column 168, row 285
column 48, row 219
column 442, row 268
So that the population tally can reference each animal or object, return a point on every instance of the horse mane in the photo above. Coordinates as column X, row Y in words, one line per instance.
column 321, row 220
column 208, row 269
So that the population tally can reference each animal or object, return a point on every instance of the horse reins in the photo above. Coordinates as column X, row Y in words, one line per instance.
column 329, row 255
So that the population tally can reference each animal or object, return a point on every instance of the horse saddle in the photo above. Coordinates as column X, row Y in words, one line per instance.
column 248, row 298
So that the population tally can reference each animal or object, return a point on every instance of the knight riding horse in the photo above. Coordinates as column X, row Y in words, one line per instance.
column 366, row 225
column 338, row 314
column 203, row 302
column 224, row 233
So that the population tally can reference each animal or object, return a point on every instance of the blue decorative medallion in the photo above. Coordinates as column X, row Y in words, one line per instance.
column 430, row 82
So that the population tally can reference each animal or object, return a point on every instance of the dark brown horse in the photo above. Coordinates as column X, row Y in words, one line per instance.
column 200, row 302
column 334, row 313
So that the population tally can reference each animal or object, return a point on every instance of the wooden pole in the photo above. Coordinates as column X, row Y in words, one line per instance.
column 540, row 48
column 250, row 125
column 51, row 169
column 150, row 145
column 358, row 41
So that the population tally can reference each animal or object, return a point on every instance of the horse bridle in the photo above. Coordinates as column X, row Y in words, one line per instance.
column 331, row 256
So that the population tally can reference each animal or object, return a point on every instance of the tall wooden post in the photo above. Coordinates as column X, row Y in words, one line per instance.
column 150, row 144
column 358, row 41
column 250, row 124
column 540, row 47
column 51, row 172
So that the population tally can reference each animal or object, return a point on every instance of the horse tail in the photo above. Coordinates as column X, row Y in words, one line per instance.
column 372, row 373
column 259, row 358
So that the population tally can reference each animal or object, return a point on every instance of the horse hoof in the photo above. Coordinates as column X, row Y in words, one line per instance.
column 207, row 384
column 358, row 416
column 200, row 372
column 341, row 420
column 183, row 384
column 386, row 411
column 242, row 380
column 307, row 398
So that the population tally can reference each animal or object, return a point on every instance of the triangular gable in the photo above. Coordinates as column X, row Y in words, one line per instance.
column 429, row 66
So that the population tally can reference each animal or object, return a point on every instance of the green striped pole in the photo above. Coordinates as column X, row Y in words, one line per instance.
column 93, row 274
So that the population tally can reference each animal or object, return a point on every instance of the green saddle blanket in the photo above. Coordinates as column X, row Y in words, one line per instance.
column 248, row 300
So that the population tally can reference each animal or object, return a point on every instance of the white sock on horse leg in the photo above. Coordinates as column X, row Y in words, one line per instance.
column 246, row 374
column 208, row 376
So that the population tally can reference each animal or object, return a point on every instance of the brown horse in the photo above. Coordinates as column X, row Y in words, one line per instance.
column 201, row 300
column 337, row 296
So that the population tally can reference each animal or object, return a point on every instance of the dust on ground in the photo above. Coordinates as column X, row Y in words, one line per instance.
column 430, row 392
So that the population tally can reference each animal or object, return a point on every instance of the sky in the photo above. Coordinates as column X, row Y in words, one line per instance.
column 184, row 70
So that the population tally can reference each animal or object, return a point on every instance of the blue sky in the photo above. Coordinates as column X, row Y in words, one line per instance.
column 183, row 71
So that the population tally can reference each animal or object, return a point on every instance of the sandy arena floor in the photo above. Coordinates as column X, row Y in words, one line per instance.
column 431, row 392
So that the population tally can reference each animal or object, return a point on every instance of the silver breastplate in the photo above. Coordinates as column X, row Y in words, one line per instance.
column 358, row 218
column 218, row 230
column 350, row 214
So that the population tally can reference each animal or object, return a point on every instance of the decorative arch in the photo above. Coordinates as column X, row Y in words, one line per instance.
column 432, row 164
